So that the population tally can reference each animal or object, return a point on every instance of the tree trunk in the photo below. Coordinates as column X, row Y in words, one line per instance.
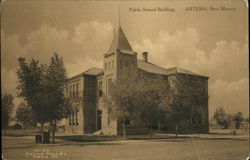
column 150, row 130
column 54, row 132
column 176, row 130
column 159, row 125
column 124, row 130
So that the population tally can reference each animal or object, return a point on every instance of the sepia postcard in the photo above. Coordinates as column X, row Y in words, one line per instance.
column 125, row 80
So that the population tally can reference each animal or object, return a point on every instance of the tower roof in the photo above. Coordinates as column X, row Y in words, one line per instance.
column 120, row 41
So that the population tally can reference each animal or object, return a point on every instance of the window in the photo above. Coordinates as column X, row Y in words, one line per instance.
column 77, row 89
column 67, row 91
column 77, row 118
column 73, row 118
column 100, row 88
column 105, row 66
column 108, row 118
column 70, row 120
column 74, row 90
column 109, row 66
column 109, row 85
column 70, row 91
column 127, row 121
column 113, row 64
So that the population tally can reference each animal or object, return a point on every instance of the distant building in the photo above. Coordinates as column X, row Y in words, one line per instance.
column 91, row 84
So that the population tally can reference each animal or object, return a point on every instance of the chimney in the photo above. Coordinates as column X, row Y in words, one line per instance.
column 145, row 56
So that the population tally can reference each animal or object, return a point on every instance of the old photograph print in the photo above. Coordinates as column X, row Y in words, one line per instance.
column 124, row 80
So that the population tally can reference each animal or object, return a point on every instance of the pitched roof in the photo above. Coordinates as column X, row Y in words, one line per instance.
column 152, row 68
column 120, row 41
column 92, row 71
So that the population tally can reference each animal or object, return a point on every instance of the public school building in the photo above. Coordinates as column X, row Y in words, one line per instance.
column 91, row 116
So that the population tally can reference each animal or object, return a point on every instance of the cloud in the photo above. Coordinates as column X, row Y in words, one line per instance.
column 233, row 96
column 87, row 40
column 226, row 64
column 227, row 61
column 81, row 48
column 8, row 80
column 170, row 49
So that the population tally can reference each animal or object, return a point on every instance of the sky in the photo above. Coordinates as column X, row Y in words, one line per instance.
column 211, row 43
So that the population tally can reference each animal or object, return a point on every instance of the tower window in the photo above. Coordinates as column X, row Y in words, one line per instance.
column 105, row 66
column 113, row 63
column 109, row 66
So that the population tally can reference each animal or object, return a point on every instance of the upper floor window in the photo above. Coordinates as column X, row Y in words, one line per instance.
column 74, row 90
column 77, row 89
column 109, row 66
column 105, row 66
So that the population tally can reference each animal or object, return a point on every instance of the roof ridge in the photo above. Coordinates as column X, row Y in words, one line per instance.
column 151, row 63
column 167, row 71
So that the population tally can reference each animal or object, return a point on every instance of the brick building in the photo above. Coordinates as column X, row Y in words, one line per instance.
column 91, row 116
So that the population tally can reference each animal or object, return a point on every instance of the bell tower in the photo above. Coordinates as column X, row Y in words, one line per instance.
column 119, row 56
